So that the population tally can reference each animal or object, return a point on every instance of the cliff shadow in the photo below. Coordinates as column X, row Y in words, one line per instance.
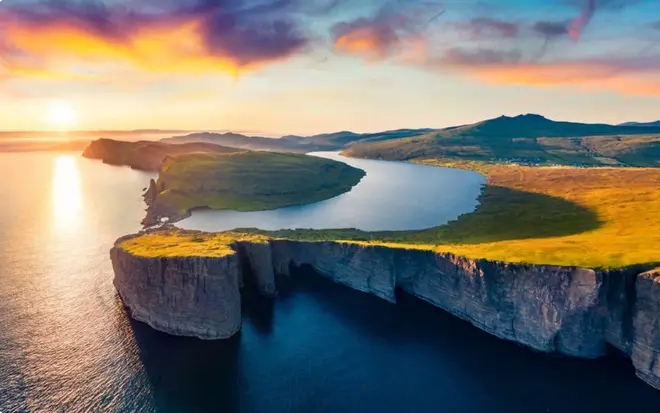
column 423, row 343
column 256, row 308
column 506, row 214
column 188, row 374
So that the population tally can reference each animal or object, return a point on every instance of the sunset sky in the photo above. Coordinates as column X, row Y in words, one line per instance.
column 311, row 66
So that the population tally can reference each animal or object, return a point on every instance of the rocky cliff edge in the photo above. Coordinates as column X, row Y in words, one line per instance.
column 566, row 310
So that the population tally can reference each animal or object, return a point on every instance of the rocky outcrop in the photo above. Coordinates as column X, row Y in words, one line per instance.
column 645, row 352
column 258, row 265
column 196, row 297
column 566, row 310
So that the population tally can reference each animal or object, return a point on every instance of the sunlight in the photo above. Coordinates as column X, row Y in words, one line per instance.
column 62, row 114
column 67, row 198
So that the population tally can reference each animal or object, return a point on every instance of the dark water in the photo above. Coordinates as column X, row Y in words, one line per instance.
column 66, row 344
column 393, row 196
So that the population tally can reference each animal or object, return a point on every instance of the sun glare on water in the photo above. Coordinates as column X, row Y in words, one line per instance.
column 62, row 115
column 67, row 198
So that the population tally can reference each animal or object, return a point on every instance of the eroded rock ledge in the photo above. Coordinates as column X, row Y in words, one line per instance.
column 565, row 310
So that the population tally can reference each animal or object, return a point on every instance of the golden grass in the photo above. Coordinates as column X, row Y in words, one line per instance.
column 173, row 243
column 626, row 202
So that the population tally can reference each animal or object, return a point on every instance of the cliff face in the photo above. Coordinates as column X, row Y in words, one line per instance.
column 566, row 310
column 646, row 344
column 196, row 297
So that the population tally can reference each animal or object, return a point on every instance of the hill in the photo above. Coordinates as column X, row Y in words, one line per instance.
column 293, row 143
column 642, row 124
column 144, row 155
column 340, row 140
column 526, row 139
column 245, row 181
column 236, row 140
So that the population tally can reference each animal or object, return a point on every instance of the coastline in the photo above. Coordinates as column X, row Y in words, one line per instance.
column 571, row 311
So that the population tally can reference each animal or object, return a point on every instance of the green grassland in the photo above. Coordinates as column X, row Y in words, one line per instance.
column 250, row 181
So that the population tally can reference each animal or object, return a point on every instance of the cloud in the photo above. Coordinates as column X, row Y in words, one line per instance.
column 551, row 29
column 656, row 25
column 65, row 37
column 578, row 24
column 460, row 57
column 484, row 27
column 626, row 75
column 387, row 33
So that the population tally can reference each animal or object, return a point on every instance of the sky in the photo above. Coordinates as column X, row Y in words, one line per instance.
column 314, row 66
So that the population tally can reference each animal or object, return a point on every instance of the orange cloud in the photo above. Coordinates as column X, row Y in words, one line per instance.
column 70, row 39
column 391, row 31
column 590, row 76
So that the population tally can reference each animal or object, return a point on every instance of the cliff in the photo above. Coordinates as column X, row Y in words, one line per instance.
column 196, row 297
column 566, row 310
column 144, row 155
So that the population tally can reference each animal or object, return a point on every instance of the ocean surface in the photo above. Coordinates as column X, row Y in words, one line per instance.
column 66, row 344
column 393, row 196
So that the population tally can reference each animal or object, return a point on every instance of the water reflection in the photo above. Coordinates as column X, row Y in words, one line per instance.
column 66, row 193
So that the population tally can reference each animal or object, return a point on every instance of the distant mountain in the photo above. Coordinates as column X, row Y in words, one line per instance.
column 533, row 126
column 525, row 138
column 145, row 155
column 345, row 138
column 294, row 143
column 642, row 124
column 236, row 140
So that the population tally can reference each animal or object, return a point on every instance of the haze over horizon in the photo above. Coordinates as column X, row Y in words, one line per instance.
column 305, row 67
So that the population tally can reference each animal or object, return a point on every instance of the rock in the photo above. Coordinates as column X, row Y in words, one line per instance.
column 565, row 310
column 646, row 346
column 196, row 297
column 259, row 260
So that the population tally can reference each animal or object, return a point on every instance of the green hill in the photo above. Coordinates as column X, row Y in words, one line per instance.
column 526, row 139
column 245, row 181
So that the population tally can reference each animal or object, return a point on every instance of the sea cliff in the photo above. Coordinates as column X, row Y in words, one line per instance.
column 566, row 310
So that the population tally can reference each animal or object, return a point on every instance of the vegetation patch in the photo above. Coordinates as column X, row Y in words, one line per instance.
column 171, row 242
column 246, row 181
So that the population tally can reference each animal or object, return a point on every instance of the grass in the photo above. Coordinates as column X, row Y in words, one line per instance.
column 588, row 217
column 251, row 181
column 180, row 243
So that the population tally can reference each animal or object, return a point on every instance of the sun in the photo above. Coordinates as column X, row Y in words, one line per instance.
column 62, row 114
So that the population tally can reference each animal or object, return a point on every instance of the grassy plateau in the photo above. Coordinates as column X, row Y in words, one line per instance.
column 590, row 217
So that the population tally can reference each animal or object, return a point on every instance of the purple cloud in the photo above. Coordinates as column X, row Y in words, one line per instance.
column 242, row 32
column 484, row 27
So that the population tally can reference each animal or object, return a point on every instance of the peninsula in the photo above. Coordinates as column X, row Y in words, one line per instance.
column 145, row 155
column 243, row 181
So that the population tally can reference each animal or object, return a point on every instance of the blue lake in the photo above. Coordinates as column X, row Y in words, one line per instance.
column 67, row 345
column 393, row 196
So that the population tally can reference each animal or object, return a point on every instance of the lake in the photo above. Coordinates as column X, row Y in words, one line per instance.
column 67, row 345
column 393, row 196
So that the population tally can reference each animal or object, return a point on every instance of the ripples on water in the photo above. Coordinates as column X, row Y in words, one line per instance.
column 66, row 344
